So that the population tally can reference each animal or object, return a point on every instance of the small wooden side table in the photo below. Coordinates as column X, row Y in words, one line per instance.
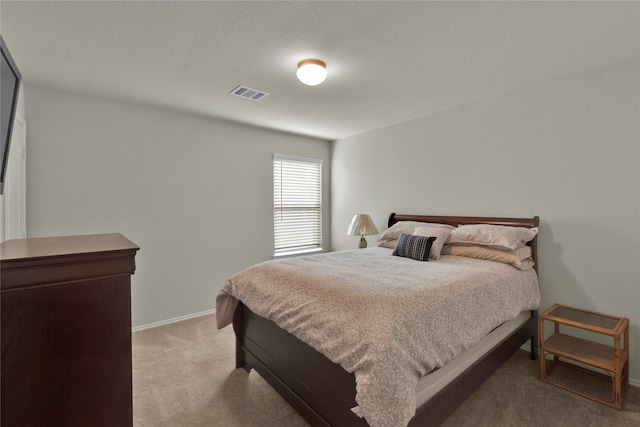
column 612, row 359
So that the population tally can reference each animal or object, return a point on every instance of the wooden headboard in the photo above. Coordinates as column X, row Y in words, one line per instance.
column 458, row 220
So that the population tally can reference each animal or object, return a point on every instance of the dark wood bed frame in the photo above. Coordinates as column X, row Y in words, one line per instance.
column 324, row 393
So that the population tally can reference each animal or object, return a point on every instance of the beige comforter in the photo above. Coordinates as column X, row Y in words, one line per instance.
column 390, row 320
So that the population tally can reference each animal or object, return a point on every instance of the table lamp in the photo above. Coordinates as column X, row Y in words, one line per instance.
column 362, row 225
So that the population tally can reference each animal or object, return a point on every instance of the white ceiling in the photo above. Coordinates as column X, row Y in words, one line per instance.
column 388, row 62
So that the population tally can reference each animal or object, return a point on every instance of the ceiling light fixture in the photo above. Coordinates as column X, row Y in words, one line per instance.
column 312, row 71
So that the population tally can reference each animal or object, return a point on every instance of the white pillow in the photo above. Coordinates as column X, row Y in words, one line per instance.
column 494, row 236
column 407, row 227
column 440, row 233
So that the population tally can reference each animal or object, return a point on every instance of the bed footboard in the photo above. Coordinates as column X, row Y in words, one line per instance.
column 323, row 393
column 320, row 390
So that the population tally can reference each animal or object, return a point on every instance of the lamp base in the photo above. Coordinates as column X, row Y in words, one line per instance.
column 363, row 243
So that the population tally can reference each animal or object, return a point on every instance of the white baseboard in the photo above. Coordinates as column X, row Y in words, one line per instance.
column 175, row 319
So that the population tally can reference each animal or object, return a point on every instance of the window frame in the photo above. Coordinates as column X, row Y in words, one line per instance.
column 314, row 227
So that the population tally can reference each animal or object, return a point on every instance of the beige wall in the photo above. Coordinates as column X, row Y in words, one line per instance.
column 195, row 194
column 568, row 152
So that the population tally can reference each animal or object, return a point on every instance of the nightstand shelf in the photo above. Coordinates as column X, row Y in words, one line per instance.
column 612, row 359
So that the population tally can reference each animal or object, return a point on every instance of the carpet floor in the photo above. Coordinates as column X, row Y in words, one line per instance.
column 184, row 376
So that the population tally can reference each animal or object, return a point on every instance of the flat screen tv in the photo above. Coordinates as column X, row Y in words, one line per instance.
column 9, row 87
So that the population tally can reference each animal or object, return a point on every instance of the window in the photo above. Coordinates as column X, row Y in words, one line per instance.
column 297, row 205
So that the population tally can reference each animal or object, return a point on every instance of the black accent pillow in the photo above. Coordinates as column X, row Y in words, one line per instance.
column 416, row 247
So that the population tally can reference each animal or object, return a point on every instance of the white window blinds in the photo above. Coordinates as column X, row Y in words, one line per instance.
column 297, row 204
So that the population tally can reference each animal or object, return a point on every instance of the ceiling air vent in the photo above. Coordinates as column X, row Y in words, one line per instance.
column 249, row 93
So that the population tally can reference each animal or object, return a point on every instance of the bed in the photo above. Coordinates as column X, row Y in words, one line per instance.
column 325, row 393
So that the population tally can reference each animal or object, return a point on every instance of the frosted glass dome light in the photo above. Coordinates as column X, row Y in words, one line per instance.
column 312, row 72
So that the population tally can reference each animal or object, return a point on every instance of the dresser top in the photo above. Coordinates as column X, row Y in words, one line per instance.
column 45, row 247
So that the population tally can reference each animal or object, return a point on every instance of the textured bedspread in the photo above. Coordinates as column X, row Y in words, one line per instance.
column 388, row 319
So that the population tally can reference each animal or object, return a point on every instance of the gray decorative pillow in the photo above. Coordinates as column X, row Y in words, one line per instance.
column 415, row 247
column 441, row 234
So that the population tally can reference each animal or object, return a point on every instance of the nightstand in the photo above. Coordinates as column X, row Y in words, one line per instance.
column 612, row 360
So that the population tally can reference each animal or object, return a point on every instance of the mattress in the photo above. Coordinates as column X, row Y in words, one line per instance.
column 430, row 384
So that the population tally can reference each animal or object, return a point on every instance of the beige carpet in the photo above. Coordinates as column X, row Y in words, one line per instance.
column 183, row 375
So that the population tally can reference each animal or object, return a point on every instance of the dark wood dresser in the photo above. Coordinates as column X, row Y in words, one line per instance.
column 66, row 331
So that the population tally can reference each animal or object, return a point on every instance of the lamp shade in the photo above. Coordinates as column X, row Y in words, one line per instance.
column 362, row 225
column 311, row 72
